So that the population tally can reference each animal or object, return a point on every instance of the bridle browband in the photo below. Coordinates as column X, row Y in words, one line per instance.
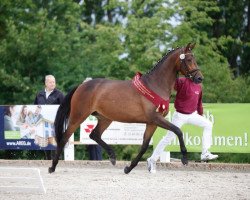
column 188, row 74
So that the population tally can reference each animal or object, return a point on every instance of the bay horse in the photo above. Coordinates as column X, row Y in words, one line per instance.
column 124, row 101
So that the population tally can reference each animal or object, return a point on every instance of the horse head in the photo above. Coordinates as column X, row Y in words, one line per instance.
column 187, row 64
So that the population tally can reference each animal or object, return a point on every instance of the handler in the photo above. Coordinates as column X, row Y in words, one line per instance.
column 189, row 110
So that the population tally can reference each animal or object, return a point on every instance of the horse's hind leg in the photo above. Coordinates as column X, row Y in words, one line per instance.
column 59, row 150
column 102, row 125
column 74, row 122
column 150, row 129
column 66, row 135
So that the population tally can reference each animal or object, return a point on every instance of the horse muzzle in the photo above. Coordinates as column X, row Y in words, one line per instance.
column 198, row 79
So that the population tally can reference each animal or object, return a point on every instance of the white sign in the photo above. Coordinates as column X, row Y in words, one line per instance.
column 116, row 133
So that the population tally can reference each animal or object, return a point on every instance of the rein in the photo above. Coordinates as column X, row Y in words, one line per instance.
column 161, row 104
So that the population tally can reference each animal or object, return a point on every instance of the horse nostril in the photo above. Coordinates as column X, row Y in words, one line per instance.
column 200, row 79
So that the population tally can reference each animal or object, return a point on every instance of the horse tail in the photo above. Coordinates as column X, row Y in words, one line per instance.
column 62, row 115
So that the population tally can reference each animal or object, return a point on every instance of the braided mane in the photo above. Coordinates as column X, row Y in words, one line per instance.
column 159, row 62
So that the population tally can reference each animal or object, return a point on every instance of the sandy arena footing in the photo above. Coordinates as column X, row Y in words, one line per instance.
column 101, row 180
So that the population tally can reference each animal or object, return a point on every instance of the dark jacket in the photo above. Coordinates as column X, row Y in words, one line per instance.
column 56, row 97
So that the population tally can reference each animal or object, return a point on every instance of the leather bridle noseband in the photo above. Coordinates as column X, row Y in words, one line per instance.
column 188, row 74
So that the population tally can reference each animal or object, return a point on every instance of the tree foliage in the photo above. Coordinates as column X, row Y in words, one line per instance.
column 114, row 39
column 214, row 55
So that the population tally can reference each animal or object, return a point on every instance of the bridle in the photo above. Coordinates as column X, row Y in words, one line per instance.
column 188, row 73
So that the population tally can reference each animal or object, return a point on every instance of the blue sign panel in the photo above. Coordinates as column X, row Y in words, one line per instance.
column 29, row 127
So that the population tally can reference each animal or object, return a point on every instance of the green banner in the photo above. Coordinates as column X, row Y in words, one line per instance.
column 231, row 129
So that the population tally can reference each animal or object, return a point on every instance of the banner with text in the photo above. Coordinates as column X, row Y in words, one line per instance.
column 231, row 129
column 116, row 133
column 31, row 127
column 27, row 127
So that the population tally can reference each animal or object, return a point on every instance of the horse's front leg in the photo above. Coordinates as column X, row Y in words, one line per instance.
column 163, row 123
column 150, row 129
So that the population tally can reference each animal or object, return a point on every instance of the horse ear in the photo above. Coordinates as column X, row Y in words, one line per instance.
column 192, row 46
column 189, row 47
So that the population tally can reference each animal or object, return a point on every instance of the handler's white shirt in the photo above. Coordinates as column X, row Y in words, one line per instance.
column 48, row 93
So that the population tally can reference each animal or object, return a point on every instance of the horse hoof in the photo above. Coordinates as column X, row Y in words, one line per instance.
column 51, row 170
column 184, row 161
column 126, row 170
column 113, row 161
